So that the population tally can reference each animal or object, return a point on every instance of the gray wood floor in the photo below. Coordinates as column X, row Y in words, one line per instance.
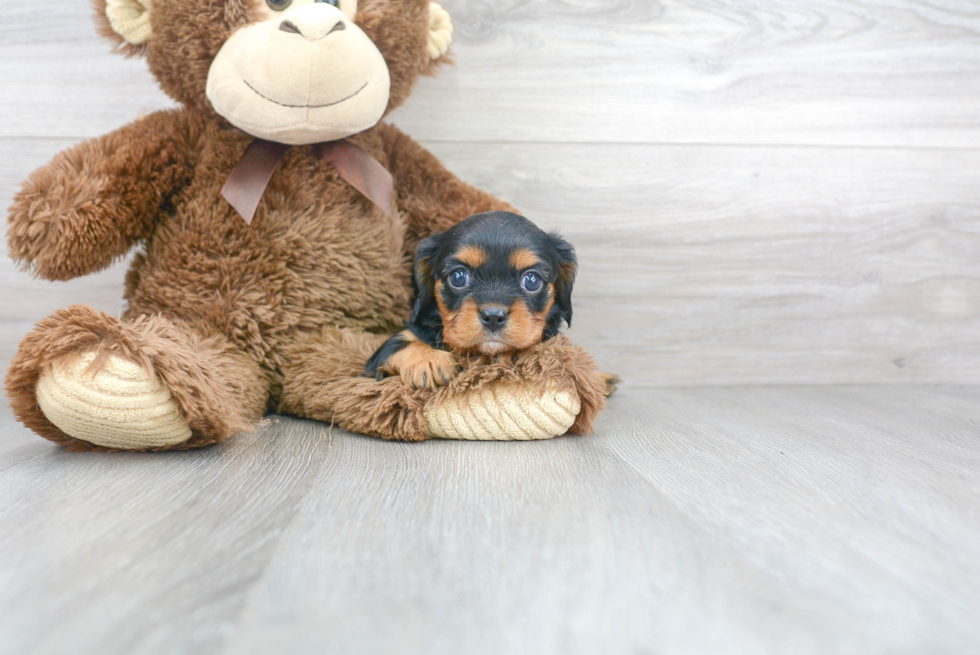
column 761, row 193
column 701, row 520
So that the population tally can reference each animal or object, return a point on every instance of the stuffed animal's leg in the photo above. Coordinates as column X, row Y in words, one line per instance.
column 86, row 380
column 546, row 391
column 323, row 380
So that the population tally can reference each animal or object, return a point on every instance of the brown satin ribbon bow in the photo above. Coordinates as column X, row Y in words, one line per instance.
column 250, row 177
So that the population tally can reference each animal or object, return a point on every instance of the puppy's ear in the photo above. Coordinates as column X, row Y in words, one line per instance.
column 424, row 278
column 566, row 265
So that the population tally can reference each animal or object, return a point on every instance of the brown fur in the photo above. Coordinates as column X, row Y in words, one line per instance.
column 93, row 202
column 522, row 259
column 196, row 29
column 238, row 318
column 218, row 390
column 421, row 366
column 524, row 327
column 438, row 200
column 472, row 256
column 392, row 410
column 461, row 329
column 611, row 381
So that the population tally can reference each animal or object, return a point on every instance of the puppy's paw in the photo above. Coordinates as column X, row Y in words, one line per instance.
column 422, row 366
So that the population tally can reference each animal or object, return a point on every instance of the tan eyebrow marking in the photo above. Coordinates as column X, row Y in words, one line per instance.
column 472, row 256
column 522, row 258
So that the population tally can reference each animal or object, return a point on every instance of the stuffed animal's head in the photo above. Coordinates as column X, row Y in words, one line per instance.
column 292, row 71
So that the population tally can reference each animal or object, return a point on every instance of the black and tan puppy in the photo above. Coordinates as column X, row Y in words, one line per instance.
column 492, row 284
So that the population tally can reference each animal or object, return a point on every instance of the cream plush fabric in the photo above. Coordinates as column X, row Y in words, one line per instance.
column 499, row 413
column 130, row 19
column 120, row 406
column 339, row 85
column 440, row 31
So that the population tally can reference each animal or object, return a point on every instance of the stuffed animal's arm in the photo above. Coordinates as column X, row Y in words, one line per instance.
column 91, row 203
column 430, row 197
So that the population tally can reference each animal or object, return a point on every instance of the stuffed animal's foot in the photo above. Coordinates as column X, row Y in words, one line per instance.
column 547, row 391
column 88, row 381
column 503, row 412
column 113, row 404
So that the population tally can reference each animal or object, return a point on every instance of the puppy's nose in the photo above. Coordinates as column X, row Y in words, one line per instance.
column 310, row 29
column 494, row 317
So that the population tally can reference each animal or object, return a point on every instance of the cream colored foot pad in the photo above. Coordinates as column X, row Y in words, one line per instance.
column 120, row 406
column 504, row 413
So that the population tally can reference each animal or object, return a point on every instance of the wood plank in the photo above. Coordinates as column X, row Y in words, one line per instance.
column 732, row 520
column 715, row 265
column 856, row 499
column 148, row 553
column 770, row 520
column 70, row 87
column 873, row 73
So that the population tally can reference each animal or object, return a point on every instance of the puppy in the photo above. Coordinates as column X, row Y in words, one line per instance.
column 492, row 284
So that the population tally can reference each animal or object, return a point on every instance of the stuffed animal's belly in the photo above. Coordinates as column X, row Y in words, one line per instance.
column 258, row 284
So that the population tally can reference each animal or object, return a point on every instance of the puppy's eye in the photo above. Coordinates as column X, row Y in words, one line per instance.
column 330, row 2
column 531, row 282
column 278, row 5
column 459, row 279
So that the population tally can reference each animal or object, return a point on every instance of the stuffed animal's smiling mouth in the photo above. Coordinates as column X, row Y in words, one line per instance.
column 282, row 104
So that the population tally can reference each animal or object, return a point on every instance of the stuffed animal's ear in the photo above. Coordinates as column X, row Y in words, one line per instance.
column 126, row 23
column 424, row 277
column 566, row 265
column 440, row 31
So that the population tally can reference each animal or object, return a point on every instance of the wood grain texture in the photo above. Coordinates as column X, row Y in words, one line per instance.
column 760, row 193
column 759, row 265
column 715, row 264
column 701, row 264
column 723, row 520
column 875, row 72
column 141, row 553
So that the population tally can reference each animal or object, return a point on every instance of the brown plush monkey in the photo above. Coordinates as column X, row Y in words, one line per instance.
column 276, row 219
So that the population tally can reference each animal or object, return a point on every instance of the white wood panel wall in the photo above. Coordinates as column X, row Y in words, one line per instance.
column 760, row 192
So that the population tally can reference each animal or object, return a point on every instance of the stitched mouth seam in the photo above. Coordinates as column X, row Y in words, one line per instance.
column 281, row 104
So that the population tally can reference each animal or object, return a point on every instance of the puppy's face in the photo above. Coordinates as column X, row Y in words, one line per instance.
column 498, row 283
